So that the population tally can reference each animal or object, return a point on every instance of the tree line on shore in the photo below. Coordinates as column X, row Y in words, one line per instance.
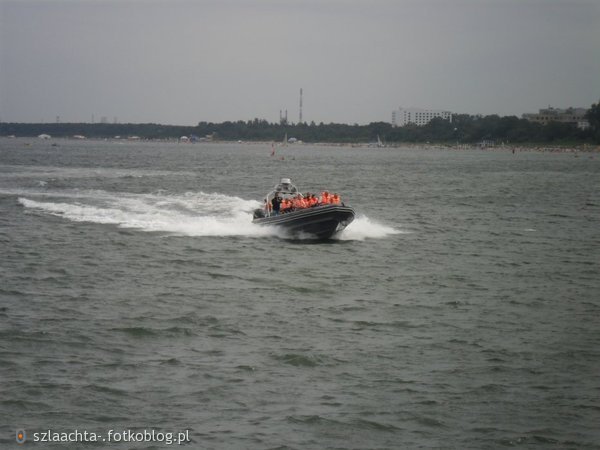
column 462, row 128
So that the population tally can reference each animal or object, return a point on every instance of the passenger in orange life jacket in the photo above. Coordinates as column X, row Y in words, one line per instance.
column 297, row 202
column 324, row 197
column 285, row 205
column 313, row 201
column 303, row 202
column 307, row 200
column 335, row 199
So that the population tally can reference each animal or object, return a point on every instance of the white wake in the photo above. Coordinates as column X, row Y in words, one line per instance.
column 189, row 214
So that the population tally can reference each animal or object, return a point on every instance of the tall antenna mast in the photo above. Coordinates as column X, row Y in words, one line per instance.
column 300, row 121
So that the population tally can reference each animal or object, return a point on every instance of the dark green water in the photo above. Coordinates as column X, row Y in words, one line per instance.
column 460, row 310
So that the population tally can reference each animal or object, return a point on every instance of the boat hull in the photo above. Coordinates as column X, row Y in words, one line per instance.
column 320, row 222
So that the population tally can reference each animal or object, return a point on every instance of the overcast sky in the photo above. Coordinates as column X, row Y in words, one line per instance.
column 185, row 61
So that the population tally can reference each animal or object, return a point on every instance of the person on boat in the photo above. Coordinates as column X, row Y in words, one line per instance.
column 298, row 202
column 293, row 203
column 335, row 199
column 307, row 200
column 324, row 198
column 285, row 206
column 313, row 201
column 276, row 205
column 303, row 202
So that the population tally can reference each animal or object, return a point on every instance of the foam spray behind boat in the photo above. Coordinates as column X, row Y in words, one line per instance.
column 188, row 214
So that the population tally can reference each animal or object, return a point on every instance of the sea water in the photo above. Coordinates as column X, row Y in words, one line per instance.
column 461, row 309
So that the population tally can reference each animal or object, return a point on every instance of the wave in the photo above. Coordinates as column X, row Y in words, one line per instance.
column 362, row 228
column 51, row 172
column 188, row 214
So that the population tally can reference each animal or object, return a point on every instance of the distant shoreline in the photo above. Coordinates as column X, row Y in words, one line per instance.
column 462, row 130
column 517, row 148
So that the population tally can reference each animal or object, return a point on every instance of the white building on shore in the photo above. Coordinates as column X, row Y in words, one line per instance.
column 418, row 116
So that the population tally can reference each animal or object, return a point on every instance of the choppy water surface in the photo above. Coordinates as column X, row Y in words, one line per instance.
column 460, row 310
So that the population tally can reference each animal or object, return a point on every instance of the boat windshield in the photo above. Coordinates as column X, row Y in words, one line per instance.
column 284, row 189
